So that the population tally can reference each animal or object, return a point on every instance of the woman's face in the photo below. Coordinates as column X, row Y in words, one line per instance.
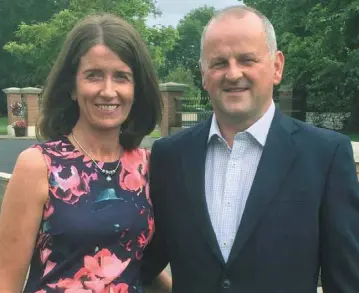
column 104, row 89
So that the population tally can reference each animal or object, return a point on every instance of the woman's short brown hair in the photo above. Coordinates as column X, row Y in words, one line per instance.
column 59, row 113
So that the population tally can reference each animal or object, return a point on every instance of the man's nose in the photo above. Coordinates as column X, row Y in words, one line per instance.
column 234, row 71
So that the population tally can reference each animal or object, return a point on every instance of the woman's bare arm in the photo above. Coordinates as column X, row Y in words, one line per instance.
column 20, row 218
column 161, row 284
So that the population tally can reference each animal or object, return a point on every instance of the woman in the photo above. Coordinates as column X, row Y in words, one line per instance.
column 77, row 208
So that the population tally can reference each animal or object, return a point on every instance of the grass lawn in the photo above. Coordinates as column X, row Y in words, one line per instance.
column 354, row 136
column 156, row 133
column 3, row 125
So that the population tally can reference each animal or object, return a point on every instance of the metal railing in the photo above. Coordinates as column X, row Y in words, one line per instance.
column 194, row 110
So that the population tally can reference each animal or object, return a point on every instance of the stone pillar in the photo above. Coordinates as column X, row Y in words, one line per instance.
column 31, row 98
column 285, row 100
column 13, row 95
column 171, row 115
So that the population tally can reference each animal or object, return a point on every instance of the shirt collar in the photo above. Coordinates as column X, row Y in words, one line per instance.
column 258, row 130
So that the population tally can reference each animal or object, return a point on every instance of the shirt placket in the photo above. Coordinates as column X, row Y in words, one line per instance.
column 230, row 198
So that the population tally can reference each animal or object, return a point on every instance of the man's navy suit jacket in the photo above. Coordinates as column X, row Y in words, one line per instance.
column 302, row 214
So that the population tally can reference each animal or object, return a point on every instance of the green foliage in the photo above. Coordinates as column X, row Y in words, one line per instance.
column 320, row 41
column 184, row 76
column 12, row 71
column 37, row 44
column 3, row 125
column 186, row 52
column 160, row 40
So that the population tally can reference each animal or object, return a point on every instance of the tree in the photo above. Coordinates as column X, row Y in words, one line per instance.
column 186, row 52
column 321, row 44
column 11, row 14
column 38, row 44
column 184, row 76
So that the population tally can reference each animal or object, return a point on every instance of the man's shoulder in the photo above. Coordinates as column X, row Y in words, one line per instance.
column 180, row 138
column 317, row 134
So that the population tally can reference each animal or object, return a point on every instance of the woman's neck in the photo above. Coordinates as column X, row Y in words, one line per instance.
column 99, row 144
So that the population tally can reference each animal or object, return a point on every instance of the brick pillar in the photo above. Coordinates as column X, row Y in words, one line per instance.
column 285, row 101
column 31, row 99
column 13, row 95
column 171, row 116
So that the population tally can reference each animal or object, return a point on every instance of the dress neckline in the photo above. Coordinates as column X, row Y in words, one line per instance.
column 74, row 149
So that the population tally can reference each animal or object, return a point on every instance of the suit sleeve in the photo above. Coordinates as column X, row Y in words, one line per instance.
column 155, row 257
column 340, row 224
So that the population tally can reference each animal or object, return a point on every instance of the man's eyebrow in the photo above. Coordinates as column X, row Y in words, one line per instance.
column 248, row 54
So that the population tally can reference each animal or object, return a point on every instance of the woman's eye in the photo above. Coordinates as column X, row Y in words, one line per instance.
column 93, row 76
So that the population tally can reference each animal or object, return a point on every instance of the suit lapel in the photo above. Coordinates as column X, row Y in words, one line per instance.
column 193, row 161
column 277, row 158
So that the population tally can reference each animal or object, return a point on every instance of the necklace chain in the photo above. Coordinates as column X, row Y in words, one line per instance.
column 108, row 173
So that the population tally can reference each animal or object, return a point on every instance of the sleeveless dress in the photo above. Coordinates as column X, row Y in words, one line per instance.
column 93, row 231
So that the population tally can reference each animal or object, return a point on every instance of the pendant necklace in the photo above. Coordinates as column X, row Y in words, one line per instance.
column 107, row 173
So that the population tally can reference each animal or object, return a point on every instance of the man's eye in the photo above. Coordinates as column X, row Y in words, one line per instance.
column 248, row 60
column 218, row 64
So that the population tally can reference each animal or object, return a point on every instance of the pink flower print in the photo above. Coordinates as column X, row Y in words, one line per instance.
column 61, row 149
column 151, row 227
column 96, row 285
column 132, row 160
column 48, row 210
column 142, row 240
column 119, row 288
column 49, row 267
column 44, row 255
column 42, row 240
column 77, row 291
column 131, row 181
column 41, row 291
column 128, row 245
column 68, row 284
column 134, row 169
column 105, row 265
column 72, row 188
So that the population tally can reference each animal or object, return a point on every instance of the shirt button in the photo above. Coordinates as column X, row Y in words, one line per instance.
column 226, row 284
column 228, row 203
column 225, row 244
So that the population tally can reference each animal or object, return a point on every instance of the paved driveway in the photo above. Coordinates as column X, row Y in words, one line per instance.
column 10, row 148
column 9, row 151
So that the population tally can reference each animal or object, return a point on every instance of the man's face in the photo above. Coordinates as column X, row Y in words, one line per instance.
column 237, row 68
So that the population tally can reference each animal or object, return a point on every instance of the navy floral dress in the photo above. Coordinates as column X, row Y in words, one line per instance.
column 93, row 232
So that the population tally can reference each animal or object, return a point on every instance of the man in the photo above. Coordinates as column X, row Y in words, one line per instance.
column 251, row 200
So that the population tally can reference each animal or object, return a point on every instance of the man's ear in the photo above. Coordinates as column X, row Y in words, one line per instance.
column 278, row 67
column 201, row 68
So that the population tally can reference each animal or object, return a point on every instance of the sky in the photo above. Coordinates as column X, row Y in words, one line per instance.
column 174, row 10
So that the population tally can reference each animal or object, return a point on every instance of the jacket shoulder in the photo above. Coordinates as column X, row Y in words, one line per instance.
column 318, row 134
column 180, row 138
